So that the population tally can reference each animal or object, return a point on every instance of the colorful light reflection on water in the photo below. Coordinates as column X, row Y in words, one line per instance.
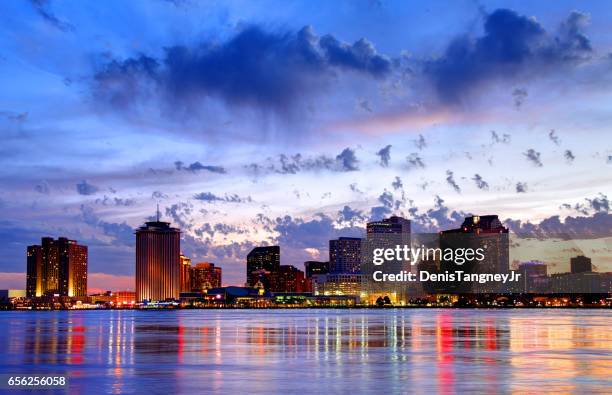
column 314, row 351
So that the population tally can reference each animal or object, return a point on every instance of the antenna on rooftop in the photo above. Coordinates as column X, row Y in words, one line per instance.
column 157, row 212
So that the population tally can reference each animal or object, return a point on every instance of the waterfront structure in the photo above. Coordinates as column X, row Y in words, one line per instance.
column 315, row 267
column 204, row 276
column 185, row 273
column 158, row 266
column 56, row 267
column 348, row 284
column 288, row 278
column 580, row 264
column 262, row 261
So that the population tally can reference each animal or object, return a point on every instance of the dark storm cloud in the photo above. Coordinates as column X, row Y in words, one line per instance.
column 569, row 156
column 43, row 9
column 512, row 45
column 533, row 156
column 256, row 67
column 597, row 204
column 385, row 155
column 228, row 198
column 197, row 166
column 521, row 187
column 85, row 188
column 480, row 183
column 450, row 179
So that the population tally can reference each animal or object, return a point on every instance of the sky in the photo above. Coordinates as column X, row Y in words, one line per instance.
column 261, row 122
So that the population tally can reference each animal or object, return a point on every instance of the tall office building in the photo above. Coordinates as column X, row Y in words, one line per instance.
column 262, row 261
column 581, row 264
column 158, row 264
column 484, row 232
column 185, row 273
column 205, row 276
column 345, row 255
column 56, row 267
column 316, row 267
column 288, row 278
column 387, row 233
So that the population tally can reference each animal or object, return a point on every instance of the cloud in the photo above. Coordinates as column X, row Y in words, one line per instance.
column 120, row 233
column 521, row 187
column 379, row 212
column 108, row 201
column 197, row 166
column 533, row 156
column 519, row 95
column 480, row 183
column 229, row 198
column 569, row 156
column 450, row 179
column 420, row 143
column 571, row 228
column 84, row 188
column 415, row 161
column 553, row 137
column 512, row 46
column 348, row 160
column 597, row 204
column 158, row 195
column 495, row 138
column 42, row 8
column 385, row 155
column 43, row 188
column 181, row 214
column 350, row 216
column 345, row 161
column 256, row 67
column 397, row 183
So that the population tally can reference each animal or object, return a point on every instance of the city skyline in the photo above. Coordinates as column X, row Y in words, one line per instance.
column 325, row 124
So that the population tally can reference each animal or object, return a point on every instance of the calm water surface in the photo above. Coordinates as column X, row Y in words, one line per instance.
column 314, row 351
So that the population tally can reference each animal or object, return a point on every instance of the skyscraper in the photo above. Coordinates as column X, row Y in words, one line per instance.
column 56, row 267
column 345, row 255
column 484, row 232
column 387, row 233
column 262, row 260
column 316, row 267
column 185, row 274
column 205, row 276
column 158, row 265
column 581, row 264
column 288, row 278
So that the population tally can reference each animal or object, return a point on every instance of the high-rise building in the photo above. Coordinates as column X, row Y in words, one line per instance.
column 185, row 274
column 581, row 264
column 316, row 267
column 158, row 264
column 345, row 255
column 478, row 232
column 260, row 262
column 56, row 267
column 34, row 271
column 205, row 276
column 387, row 233
column 288, row 278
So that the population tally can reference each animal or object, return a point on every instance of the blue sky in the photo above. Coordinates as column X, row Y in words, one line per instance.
column 252, row 122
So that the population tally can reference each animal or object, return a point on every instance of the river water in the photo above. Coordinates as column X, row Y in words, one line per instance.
column 313, row 351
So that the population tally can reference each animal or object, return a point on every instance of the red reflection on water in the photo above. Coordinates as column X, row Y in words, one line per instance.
column 444, row 346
